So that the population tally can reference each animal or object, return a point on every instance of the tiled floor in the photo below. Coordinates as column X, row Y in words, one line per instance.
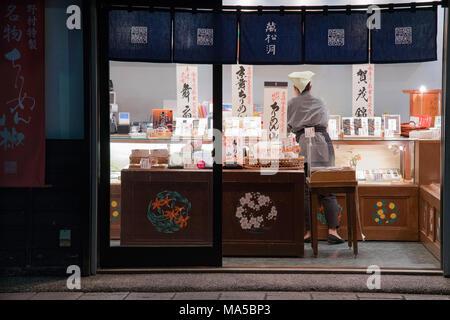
column 380, row 253
column 229, row 295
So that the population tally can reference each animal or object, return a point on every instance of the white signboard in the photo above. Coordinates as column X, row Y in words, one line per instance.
column 187, row 91
column 275, row 109
column 334, row 126
column 363, row 90
column 232, row 127
column 242, row 90
column 251, row 126
column 183, row 127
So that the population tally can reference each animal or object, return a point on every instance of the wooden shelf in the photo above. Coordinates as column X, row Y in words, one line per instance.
column 123, row 138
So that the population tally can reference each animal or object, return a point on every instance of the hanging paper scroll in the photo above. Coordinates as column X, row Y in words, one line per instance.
column 275, row 109
column 187, row 90
column 336, row 38
column 22, row 93
column 405, row 36
column 242, row 90
column 270, row 38
column 205, row 37
column 363, row 90
column 139, row 36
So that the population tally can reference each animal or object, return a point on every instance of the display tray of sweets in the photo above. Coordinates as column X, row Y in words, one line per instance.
column 282, row 164
column 153, row 166
column 138, row 154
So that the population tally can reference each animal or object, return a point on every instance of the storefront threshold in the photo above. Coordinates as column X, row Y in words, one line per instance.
column 268, row 269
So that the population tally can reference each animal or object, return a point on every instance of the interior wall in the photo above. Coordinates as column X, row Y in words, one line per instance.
column 141, row 87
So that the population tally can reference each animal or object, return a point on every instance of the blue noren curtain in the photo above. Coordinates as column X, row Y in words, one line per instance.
column 336, row 38
column 405, row 36
column 205, row 37
column 139, row 36
column 270, row 38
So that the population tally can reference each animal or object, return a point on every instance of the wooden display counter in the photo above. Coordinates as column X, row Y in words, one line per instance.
column 402, row 197
column 263, row 214
column 163, row 207
column 389, row 211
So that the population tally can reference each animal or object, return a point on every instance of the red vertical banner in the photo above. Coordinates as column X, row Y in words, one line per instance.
column 22, row 93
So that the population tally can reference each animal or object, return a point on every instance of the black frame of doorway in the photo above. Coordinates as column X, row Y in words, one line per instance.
column 98, row 90
column 139, row 257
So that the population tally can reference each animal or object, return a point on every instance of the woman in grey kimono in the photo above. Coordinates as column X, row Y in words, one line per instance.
column 305, row 110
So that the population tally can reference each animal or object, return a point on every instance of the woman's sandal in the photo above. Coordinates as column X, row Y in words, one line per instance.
column 332, row 239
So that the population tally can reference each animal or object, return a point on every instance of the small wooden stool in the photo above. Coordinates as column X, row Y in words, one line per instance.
column 334, row 181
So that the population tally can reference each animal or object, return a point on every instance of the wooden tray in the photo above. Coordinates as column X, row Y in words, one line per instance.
column 283, row 164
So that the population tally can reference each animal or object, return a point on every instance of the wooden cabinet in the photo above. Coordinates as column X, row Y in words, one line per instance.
column 430, row 219
column 427, row 103
column 263, row 214
column 115, row 211
column 427, row 161
column 388, row 212
column 428, row 176
column 166, row 207
column 388, row 209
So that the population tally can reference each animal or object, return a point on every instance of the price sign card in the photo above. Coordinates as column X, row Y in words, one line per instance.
column 309, row 132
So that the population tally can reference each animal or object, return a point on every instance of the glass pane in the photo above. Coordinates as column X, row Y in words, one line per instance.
column 264, row 199
column 64, row 98
column 161, row 164
column 263, row 178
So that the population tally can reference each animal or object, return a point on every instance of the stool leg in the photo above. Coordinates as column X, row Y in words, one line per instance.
column 354, row 229
column 314, row 208
column 349, row 220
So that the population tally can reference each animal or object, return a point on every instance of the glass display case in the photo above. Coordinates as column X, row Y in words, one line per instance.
column 377, row 161
column 162, row 153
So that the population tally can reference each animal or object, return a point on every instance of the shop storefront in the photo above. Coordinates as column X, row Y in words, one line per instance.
column 174, row 196
column 195, row 158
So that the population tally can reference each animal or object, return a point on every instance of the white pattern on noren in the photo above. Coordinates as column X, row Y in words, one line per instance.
column 403, row 35
column 336, row 37
column 139, row 35
column 205, row 37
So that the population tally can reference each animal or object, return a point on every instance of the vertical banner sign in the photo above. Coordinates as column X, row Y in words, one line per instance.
column 363, row 90
column 187, row 90
column 275, row 109
column 242, row 87
column 22, row 113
